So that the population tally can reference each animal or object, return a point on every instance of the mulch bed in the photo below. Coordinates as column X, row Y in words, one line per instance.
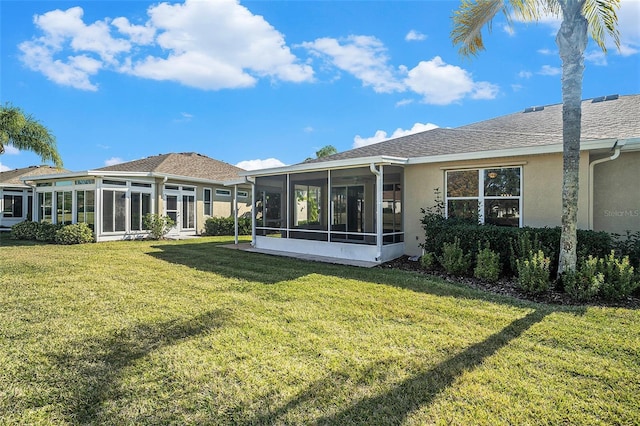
column 508, row 287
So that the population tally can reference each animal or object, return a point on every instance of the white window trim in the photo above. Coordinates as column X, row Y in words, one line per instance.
column 481, row 197
column 223, row 192
column 206, row 203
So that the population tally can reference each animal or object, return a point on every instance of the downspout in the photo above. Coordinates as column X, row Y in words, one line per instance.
column 235, row 213
column 252, row 181
column 378, row 174
column 617, row 147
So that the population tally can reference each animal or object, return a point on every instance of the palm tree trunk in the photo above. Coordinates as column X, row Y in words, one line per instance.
column 572, row 42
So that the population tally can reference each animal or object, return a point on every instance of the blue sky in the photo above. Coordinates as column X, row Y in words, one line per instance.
column 266, row 83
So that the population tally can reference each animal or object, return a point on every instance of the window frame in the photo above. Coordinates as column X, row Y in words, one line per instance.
column 207, row 205
column 481, row 197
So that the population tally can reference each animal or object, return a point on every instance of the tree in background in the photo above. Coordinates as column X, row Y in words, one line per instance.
column 579, row 18
column 26, row 133
column 325, row 151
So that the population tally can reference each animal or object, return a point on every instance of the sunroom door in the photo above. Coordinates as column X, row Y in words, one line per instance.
column 171, row 210
column 348, row 212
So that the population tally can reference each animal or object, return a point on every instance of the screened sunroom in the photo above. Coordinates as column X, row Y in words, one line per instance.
column 343, row 211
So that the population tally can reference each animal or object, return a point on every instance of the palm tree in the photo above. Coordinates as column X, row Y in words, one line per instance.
column 325, row 151
column 26, row 133
column 579, row 18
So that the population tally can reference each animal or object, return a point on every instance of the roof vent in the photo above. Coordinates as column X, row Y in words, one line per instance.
column 605, row 98
column 534, row 109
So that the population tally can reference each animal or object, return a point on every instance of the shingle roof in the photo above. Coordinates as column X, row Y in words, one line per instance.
column 616, row 118
column 188, row 164
column 12, row 177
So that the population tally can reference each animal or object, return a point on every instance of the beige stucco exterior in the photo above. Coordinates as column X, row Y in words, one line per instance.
column 541, row 191
column 616, row 194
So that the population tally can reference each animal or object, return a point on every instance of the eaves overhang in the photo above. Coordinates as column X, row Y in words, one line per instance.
column 328, row 165
column 587, row 145
column 123, row 174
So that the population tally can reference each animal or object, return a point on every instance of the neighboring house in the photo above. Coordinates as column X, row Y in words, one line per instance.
column 16, row 197
column 113, row 200
column 507, row 169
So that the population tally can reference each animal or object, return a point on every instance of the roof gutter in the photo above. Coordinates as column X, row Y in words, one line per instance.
column 616, row 153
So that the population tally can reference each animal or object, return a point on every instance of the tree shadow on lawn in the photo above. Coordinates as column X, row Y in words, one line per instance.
column 270, row 269
column 395, row 405
column 90, row 370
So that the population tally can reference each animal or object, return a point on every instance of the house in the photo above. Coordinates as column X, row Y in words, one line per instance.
column 16, row 197
column 113, row 200
column 365, row 204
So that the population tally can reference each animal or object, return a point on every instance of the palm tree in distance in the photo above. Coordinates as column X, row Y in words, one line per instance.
column 26, row 133
column 580, row 18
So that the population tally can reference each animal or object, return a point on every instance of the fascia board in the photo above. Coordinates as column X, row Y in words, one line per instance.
column 327, row 165
column 512, row 152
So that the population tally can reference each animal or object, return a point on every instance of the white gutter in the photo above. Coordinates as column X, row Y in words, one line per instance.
column 327, row 165
column 379, row 228
column 617, row 147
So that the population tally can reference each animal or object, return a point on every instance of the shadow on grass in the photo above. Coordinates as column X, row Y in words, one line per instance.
column 268, row 269
column 394, row 406
column 90, row 370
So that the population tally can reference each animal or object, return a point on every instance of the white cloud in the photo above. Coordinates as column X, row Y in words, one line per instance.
column 441, row 84
column 242, row 49
column 404, row 102
column 628, row 18
column 546, row 52
column 4, row 168
column 381, row 135
column 11, row 150
column 509, row 30
column 362, row 56
column 308, row 129
column 414, row 35
column 525, row 74
column 260, row 164
column 113, row 161
column 549, row 70
column 596, row 57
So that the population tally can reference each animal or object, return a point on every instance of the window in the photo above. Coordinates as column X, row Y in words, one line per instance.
column 188, row 212
column 307, row 211
column 206, row 200
column 45, row 202
column 114, row 207
column 12, row 206
column 491, row 195
column 85, row 181
column 63, row 207
column 85, row 202
column 223, row 192
column 140, row 206
column 64, row 183
column 243, row 194
column 114, row 182
column 140, row 185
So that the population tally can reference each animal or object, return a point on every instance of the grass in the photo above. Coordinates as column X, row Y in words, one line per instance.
column 188, row 332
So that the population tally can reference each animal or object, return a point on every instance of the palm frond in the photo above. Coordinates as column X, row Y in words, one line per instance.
column 468, row 22
column 602, row 17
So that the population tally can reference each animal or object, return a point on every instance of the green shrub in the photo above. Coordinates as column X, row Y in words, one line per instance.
column 628, row 245
column 428, row 261
column 487, row 265
column 585, row 283
column 47, row 231
column 157, row 225
column 619, row 279
column 454, row 260
column 78, row 233
column 26, row 230
column 225, row 226
column 534, row 273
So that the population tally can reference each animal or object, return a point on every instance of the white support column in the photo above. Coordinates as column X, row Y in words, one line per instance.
column 329, row 206
column 235, row 213
column 253, row 213
column 379, row 227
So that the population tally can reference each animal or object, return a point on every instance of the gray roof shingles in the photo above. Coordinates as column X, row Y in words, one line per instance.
column 616, row 119
column 12, row 177
column 187, row 164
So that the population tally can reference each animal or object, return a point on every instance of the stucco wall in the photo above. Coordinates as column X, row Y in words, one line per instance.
column 616, row 190
column 542, row 191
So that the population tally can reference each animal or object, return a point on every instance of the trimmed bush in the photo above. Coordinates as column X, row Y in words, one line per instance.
column 225, row 226
column 157, row 225
column 78, row 233
column 454, row 260
column 47, row 232
column 619, row 280
column 428, row 261
column 26, row 230
column 487, row 265
column 534, row 273
column 585, row 283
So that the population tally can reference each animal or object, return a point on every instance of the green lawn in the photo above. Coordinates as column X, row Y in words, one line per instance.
column 187, row 332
